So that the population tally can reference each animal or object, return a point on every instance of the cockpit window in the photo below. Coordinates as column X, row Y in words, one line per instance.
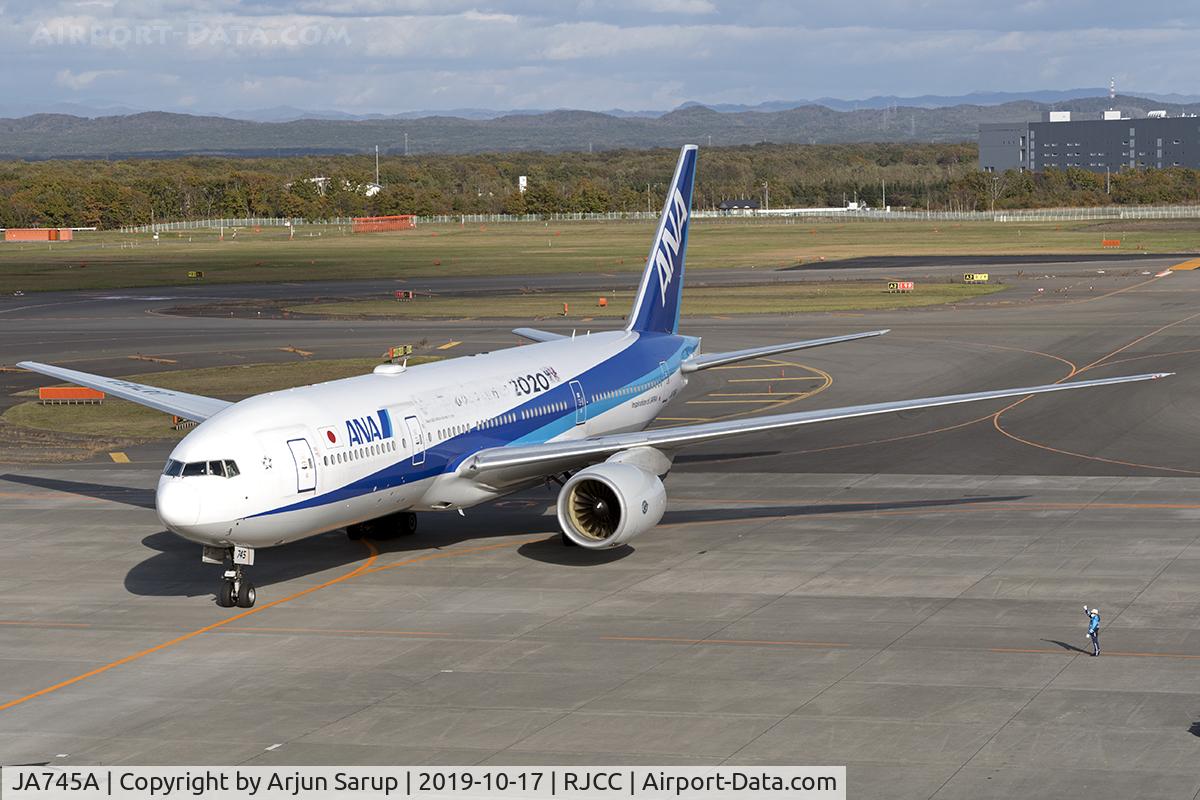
column 223, row 469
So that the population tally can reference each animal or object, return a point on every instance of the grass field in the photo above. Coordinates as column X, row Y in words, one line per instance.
column 112, row 260
column 118, row 419
column 782, row 298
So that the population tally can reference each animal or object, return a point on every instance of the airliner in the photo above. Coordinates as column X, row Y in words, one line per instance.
column 366, row 453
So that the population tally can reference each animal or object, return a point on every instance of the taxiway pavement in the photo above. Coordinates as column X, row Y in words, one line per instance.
column 901, row 594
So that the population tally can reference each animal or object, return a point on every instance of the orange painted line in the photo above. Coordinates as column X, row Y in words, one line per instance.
column 1110, row 294
column 1099, row 361
column 1152, row 355
column 949, row 503
column 1106, row 652
column 678, row 640
column 1140, row 339
column 1190, row 264
column 947, row 428
column 987, row 507
column 362, row 568
column 337, row 631
column 1102, row 459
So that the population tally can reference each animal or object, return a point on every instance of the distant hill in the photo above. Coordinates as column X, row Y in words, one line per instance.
column 162, row 134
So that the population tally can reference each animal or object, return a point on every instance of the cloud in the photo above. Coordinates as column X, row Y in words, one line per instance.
column 82, row 80
column 396, row 55
column 681, row 6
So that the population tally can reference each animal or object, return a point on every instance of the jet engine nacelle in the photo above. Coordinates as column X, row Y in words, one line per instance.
column 608, row 504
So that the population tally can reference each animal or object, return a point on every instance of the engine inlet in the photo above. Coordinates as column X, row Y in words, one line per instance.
column 594, row 509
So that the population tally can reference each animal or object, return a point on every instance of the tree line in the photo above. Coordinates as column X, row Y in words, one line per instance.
column 109, row 194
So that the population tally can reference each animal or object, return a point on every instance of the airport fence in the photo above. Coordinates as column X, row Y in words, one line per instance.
column 232, row 222
column 898, row 215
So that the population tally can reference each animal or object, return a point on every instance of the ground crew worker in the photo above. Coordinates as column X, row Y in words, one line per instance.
column 1093, row 631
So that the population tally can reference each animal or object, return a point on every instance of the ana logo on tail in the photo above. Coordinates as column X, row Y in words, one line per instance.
column 668, row 244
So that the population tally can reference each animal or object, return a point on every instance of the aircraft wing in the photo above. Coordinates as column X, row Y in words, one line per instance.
column 534, row 335
column 514, row 460
column 718, row 359
column 189, row 406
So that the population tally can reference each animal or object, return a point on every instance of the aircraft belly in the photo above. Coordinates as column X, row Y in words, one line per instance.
column 269, row 530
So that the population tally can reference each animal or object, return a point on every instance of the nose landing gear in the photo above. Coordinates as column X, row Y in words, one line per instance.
column 236, row 589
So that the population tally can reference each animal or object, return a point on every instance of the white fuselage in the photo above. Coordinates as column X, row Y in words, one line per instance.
column 316, row 458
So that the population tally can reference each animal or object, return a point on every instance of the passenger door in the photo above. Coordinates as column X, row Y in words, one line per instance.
column 580, row 402
column 306, row 466
column 417, row 435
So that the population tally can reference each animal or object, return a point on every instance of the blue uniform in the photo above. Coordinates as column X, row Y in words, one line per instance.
column 1094, row 631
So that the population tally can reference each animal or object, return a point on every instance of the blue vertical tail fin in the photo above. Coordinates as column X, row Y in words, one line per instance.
column 656, row 309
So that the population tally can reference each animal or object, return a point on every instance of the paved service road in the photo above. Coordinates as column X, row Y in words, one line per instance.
column 898, row 594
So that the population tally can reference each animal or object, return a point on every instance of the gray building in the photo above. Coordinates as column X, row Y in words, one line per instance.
column 1098, row 145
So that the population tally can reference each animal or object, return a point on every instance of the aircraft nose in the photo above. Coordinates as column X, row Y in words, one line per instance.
column 178, row 504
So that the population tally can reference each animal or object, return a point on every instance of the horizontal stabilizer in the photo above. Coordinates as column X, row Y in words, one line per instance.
column 189, row 406
column 534, row 335
column 718, row 359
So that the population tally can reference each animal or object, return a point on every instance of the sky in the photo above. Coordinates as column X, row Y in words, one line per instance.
column 374, row 56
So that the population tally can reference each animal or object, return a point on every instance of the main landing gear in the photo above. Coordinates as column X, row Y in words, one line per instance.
column 402, row 523
column 236, row 589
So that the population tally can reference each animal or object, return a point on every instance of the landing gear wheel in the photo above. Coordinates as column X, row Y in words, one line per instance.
column 565, row 540
column 408, row 523
column 246, row 594
column 225, row 596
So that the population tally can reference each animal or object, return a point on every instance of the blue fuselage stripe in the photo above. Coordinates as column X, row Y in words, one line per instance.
column 619, row 379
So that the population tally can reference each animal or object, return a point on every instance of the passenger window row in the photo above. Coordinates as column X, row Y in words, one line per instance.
column 359, row 453
column 507, row 419
column 626, row 391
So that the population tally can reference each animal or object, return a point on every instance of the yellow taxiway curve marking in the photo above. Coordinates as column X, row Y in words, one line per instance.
column 769, row 380
column 448, row 345
column 119, row 458
column 779, row 400
column 1190, row 264
column 724, row 402
column 759, row 394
